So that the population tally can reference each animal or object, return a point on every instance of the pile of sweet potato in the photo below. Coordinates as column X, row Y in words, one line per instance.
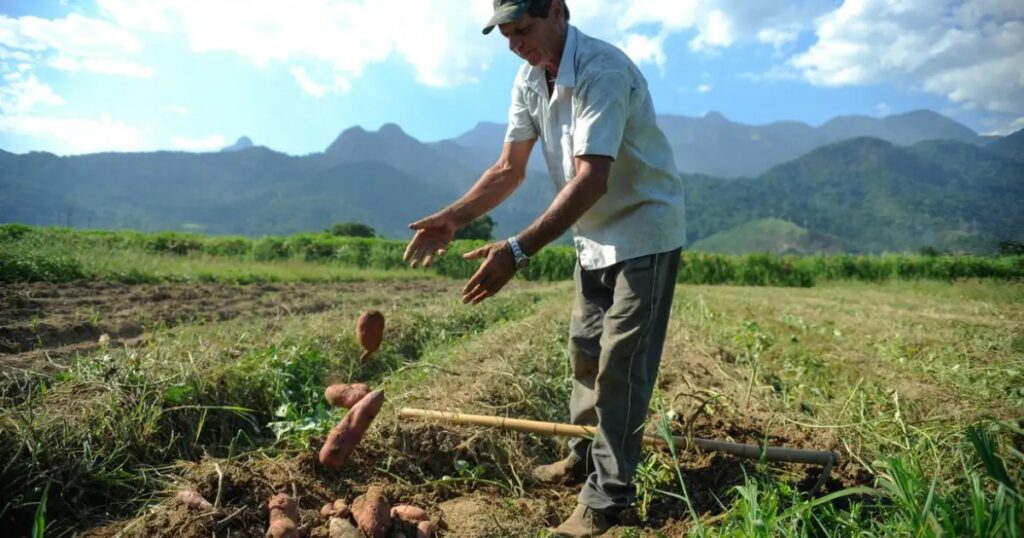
column 374, row 516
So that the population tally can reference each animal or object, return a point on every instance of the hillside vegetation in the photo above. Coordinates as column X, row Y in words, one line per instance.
column 871, row 195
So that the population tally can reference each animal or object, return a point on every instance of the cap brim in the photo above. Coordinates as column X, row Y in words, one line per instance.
column 505, row 14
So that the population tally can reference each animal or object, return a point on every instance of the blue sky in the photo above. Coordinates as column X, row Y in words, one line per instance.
column 141, row 75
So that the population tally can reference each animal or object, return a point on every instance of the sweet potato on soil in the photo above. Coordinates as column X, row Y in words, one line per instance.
column 336, row 509
column 193, row 500
column 409, row 513
column 372, row 512
column 345, row 435
column 370, row 331
column 339, row 527
column 284, row 517
column 342, row 395
column 426, row 529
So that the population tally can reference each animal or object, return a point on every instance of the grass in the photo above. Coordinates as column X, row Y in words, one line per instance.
column 62, row 255
column 916, row 383
column 920, row 383
column 61, row 262
column 101, row 429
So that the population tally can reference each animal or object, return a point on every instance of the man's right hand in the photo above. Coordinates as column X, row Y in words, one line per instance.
column 433, row 234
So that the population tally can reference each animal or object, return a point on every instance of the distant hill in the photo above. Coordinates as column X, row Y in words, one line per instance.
column 1011, row 146
column 717, row 146
column 903, row 129
column 862, row 194
column 774, row 236
column 243, row 143
column 249, row 191
column 875, row 196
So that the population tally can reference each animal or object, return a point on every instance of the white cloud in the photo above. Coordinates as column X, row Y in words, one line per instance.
column 1009, row 127
column 71, row 135
column 716, row 24
column 883, row 109
column 970, row 52
column 645, row 49
column 440, row 40
column 180, row 110
column 73, row 43
column 20, row 94
column 704, row 88
column 212, row 142
column 338, row 85
column 716, row 30
column 780, row 36
column 148, row 15
column 107, row 66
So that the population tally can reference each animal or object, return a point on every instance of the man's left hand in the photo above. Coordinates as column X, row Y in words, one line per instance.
column 498, row 268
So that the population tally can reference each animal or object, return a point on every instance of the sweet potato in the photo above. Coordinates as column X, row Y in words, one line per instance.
column 339, row 527
column 409, row 513
column 372, row 512
column 336, row 509
column 194, row 500
column 370, row 331
column 426, row 529
column 284, row 517
column 345, row 435
column 341, row 395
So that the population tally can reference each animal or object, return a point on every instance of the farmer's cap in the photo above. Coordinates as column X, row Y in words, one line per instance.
column 507, row 11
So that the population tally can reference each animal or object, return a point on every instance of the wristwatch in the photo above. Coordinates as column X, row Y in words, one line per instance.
column 522, row 260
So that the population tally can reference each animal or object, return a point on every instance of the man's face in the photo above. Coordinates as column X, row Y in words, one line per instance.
column 533, row 39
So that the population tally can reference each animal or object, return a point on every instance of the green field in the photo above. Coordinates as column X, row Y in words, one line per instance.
column 211, row 372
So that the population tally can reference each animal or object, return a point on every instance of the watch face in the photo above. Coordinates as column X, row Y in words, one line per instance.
column 522, row 262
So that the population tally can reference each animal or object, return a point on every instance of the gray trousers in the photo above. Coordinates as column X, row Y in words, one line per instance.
column 616, row 337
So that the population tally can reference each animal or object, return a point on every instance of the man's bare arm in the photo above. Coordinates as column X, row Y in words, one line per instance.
column 578, row 195
column 495, row 185
column 435, row 232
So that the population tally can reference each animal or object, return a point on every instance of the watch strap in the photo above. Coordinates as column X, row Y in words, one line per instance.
column 517, row 251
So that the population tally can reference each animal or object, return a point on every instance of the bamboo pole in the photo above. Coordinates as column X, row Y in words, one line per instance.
column 792, row 455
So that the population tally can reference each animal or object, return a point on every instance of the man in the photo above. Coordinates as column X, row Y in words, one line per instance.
column 619, row 192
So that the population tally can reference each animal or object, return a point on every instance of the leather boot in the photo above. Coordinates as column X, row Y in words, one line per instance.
column 571, row 470
column 584, row 522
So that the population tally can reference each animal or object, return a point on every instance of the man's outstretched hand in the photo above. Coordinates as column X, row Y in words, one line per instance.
column 498, row 268
column 433, row 234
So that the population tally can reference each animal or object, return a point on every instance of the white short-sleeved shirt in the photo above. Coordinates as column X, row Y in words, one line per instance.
column 601, row 106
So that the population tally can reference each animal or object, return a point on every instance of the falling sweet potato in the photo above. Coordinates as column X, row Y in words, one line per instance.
column 339, row 527
column 193, row 500
column 341, row 395
column 337, row 508
column 345, row 435
column 409, row 513
column 426, row 529
column 370, row 331
column 372, row 512
column 284, row 517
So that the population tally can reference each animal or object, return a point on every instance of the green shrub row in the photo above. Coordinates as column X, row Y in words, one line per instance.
column 21, row 262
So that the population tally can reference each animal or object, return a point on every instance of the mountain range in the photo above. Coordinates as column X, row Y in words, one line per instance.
column 855, row 183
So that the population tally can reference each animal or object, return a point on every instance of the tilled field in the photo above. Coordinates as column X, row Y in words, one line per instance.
column 42, row 323
column 804, row 377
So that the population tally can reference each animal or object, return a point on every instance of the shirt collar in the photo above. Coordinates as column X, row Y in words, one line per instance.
column 567, row 67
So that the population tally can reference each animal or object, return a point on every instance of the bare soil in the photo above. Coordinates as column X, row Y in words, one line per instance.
column 43, row 324
column 412, row 462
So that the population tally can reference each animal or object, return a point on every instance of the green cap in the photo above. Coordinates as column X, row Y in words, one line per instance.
column 506, row 11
